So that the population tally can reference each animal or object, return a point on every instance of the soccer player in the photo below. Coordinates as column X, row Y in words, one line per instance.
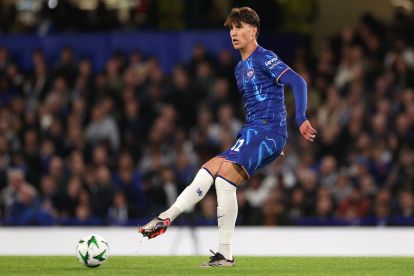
column 261, row 77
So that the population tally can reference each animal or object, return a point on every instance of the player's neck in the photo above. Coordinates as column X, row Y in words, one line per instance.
column 248, row 50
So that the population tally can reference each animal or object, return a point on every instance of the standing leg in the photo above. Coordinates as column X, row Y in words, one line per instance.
column 228, row 178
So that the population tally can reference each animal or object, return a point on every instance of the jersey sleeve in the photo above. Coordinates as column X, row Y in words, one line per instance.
column 299, row 88
column 273, row 66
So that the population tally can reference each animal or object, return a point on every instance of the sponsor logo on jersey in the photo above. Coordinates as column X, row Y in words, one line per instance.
column 250, row 73
column 272, row 62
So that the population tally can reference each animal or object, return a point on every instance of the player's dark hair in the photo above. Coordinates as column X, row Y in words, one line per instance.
column 243, row 14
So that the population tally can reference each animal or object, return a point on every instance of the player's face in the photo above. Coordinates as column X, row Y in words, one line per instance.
column 242, row 35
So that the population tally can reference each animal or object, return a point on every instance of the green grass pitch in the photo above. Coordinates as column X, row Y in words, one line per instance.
column 189, row 266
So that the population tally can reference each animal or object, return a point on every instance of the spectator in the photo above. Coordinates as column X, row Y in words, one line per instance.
column 127, row 180
column 405, row 204
column 118, row 213
column 354, row 207
column 19, row 199
column 101, row 190
column 102, row 128
column 69, row 197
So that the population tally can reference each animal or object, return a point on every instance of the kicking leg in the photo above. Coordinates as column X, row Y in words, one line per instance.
column 192, row 194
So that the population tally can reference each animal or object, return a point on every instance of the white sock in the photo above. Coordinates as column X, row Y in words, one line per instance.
column 226, row 215
column 191, row 195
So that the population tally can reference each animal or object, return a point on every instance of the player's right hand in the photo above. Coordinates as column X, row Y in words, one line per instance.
column 307, row 131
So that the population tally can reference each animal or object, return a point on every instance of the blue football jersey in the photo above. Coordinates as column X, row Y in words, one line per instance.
column 257, row 81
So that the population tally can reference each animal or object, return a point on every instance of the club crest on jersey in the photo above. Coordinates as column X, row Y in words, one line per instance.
column 250, row 73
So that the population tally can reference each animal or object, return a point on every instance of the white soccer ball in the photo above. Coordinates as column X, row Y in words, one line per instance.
column 92, row 250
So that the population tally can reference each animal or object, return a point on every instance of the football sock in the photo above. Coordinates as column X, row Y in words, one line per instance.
column 191, row 195
column 226, row 215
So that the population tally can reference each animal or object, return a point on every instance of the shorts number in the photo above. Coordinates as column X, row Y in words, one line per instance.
column 238, row 144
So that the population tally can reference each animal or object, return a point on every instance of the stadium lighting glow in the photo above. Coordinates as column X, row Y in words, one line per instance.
column 405, row 4
column 52, row 4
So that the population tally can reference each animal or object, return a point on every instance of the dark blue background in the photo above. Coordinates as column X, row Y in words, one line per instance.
column 169, row 47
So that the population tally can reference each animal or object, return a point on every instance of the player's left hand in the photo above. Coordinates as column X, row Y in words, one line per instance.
column 307, row 131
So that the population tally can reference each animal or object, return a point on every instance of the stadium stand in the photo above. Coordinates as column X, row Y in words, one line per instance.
column 80, row 146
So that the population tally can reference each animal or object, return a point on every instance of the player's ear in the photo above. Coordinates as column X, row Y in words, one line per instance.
column 254, row 32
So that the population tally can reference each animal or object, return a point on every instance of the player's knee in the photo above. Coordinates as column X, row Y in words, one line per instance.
column 233, row 173
column 213, row 165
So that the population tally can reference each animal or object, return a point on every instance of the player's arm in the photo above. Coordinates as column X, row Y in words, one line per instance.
column 299, row 88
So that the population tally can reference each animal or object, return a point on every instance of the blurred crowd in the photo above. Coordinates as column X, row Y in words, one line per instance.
column 116, row 147
column 45, row 17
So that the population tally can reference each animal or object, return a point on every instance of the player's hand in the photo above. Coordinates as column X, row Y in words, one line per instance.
column 307, row 131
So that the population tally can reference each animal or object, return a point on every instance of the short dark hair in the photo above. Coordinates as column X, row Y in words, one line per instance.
column 243, row 14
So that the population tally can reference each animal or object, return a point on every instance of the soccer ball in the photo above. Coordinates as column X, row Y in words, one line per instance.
column 92, row 250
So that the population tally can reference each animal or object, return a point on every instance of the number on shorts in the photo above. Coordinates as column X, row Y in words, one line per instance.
column 237, row 145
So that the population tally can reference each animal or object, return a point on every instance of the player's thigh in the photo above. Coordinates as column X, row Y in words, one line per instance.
column 213, row 165
column 232, row 172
